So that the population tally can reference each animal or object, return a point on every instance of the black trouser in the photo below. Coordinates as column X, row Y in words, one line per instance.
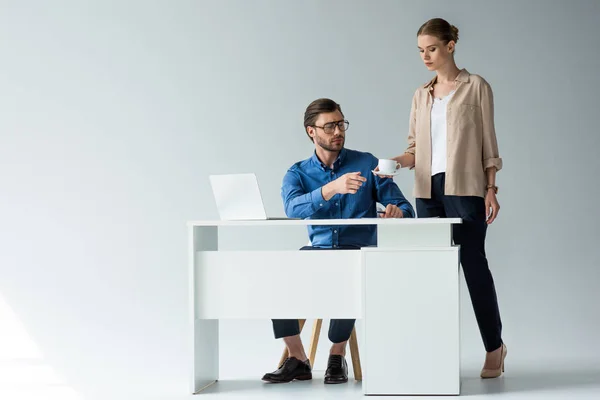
column 339, row 329
column 470, row 235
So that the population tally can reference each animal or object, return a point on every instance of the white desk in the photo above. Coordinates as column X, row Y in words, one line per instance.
column 406, row 290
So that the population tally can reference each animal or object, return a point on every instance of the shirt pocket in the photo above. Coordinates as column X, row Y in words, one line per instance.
column 469, row 116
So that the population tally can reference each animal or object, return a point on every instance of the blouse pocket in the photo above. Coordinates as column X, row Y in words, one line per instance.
column 469, row 116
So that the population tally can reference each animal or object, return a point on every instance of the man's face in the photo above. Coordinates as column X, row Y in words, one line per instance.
column 328, row 140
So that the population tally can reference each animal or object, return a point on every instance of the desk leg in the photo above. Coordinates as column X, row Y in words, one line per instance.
column 411, row 322
column 204, row 332
column 206, row 354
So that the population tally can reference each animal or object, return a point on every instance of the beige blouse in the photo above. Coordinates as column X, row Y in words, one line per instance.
column 471, row 137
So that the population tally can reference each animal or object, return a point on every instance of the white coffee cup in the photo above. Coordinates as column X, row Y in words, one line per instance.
column 388, row 167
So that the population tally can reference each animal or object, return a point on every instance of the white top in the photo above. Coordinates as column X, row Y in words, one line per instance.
column 357, row 221
column 438, row 134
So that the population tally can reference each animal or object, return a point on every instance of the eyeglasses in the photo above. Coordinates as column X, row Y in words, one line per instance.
column 329, row 127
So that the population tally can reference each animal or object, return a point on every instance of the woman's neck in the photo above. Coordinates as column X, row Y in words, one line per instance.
column 448, row 73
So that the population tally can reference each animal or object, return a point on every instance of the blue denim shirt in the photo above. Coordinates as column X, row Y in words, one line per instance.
column 302, row 198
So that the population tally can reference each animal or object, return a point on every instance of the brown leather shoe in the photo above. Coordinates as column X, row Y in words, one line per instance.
column 291, row 369
column 337, row 370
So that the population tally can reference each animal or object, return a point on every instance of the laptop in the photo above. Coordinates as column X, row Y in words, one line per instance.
column 238, row 197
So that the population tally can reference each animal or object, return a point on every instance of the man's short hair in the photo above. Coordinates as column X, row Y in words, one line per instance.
column 319, row 106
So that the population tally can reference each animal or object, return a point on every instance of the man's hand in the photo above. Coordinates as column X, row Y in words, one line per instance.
column 348, row 183
column 392, row 211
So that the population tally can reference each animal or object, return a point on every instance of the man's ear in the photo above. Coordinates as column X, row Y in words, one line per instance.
column 311, row 131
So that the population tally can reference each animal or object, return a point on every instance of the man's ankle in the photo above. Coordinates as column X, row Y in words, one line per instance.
column 299, row 356
column 337, row 350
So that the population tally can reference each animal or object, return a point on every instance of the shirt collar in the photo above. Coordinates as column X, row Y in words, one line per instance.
column 338, row 161
column 463, row 76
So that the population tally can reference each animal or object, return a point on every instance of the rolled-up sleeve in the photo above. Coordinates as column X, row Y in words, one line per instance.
column 491, row 157
column 297, row 202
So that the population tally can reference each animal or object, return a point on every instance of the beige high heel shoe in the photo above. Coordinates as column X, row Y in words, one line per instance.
column 487, row 373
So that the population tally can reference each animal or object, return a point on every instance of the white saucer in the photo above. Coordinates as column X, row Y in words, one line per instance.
column 379, row 173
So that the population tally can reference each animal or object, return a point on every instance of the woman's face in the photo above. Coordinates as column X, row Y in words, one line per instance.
column 434, row 52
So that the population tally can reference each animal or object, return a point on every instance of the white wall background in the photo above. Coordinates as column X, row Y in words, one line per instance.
column 113, row 114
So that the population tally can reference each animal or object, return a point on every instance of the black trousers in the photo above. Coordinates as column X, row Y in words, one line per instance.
column 339, row 329
column 470, row 235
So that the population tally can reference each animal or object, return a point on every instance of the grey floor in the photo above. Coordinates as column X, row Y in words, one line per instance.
column 526, row 383
column 549, row 385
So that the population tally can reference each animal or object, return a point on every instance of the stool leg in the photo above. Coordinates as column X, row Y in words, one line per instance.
column 314, row 341
column 285, row 350
column 355, row 356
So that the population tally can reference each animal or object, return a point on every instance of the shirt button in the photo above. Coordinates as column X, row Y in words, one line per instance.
column 335, row 231
column 321, row 205
column 334, row 245
column 332, row 172
column 336, row 204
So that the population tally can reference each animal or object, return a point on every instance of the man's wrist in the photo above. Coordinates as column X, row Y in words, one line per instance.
column 328, row 191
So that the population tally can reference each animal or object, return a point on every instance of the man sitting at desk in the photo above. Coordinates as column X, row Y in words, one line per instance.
column 333, row 183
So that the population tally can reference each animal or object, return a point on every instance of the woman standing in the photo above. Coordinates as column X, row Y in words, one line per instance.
column 453, row 149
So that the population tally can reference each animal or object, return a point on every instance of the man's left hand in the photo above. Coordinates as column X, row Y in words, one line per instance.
column 392, row 211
